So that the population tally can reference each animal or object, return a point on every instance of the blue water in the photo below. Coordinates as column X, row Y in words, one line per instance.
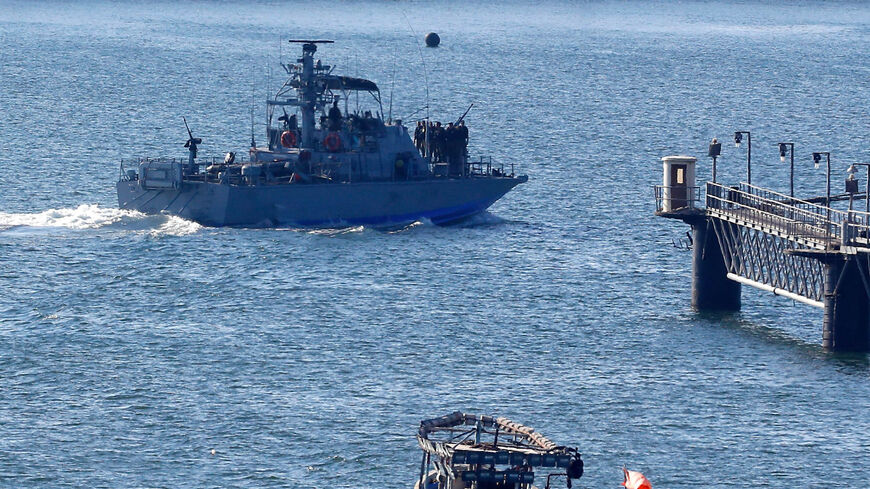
column 141, row 351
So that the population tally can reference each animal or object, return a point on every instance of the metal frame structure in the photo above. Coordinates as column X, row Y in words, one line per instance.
column 466, row 449
column 771, row 241
column 799, row 249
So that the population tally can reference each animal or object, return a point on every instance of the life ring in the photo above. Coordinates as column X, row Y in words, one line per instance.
column 288, row 139
column 332, row 142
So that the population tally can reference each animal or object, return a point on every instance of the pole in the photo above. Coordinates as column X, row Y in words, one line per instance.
column 791, row 179
column 738, row 136
column 828, row 190
column 714, row 169
column 866, row 193
column 748, row 158
column 782, row 147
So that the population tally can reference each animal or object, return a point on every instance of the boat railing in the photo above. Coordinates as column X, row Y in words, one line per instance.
column 129, row 166
column 484, row 166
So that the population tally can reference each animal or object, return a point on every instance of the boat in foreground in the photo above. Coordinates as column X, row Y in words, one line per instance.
column 483, row 452
column 347, row 168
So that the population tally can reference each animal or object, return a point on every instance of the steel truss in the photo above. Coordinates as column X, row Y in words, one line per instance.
column 763, row 258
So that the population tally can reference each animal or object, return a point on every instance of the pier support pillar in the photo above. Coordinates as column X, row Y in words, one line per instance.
column 846, row 325
column 711, row 288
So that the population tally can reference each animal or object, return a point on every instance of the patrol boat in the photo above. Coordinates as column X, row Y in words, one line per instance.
column 353, row 169
column 466, row 451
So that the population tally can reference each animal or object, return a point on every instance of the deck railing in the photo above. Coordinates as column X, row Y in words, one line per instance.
column 794, row 217
column 484, row 166
column 667, row 193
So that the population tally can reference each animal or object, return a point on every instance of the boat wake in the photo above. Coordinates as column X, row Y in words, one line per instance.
column 92, row 216
column 482, row 219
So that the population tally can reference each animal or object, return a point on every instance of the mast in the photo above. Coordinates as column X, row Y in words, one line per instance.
column 307, row 89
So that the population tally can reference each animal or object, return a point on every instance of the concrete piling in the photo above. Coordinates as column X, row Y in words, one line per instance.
column 711, row 288
column 846, row 323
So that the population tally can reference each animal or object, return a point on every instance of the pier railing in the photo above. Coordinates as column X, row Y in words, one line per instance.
column 678, row 196
column 787, row 215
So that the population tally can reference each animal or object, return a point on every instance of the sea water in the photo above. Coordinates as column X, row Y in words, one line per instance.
column 149, row 351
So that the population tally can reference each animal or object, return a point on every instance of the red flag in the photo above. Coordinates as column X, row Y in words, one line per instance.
column 635, row 480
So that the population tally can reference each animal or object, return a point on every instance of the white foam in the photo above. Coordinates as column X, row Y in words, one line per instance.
column 335, row 231
column 176, row 226
column 85, row 216
column 92, row 216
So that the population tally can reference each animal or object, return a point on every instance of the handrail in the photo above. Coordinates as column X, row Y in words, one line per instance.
column 693, row 196
column 795, row 217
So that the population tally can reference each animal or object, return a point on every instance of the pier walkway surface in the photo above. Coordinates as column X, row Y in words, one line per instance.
column 803, row 222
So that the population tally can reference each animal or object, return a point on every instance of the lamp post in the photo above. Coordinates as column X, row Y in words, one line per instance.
column 738, row 138
column 853, row 170
column 851, row 187
column 817, row 157
column 713, row 152
column 782, row 149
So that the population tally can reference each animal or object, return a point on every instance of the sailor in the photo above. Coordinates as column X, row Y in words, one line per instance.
column 451, row 148
column 463, row 143
column 289, row 122
column 334, row 116
column 429, row 139
column 437, row 141
column 463, row 137
column 419, row 138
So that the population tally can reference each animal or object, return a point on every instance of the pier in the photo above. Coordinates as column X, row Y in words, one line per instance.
column 803, row 250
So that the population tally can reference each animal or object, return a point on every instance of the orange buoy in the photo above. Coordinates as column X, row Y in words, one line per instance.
column 635, row 480
column 288, row 139
column 332, row 142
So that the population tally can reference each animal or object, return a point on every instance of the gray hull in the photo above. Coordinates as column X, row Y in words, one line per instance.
column 320, row 205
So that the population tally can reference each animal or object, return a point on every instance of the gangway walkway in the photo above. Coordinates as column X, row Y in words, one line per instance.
column 808, row 224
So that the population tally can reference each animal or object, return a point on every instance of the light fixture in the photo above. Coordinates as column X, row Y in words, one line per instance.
column 738, row 137
column 715, row 148
column 782, row 149
column 713, row 152
column 817, row 158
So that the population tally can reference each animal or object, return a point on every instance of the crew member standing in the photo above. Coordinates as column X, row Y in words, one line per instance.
column 438, row 136
column 462, row 137
column 419, row 138
column 334, row 117
column 452, row 147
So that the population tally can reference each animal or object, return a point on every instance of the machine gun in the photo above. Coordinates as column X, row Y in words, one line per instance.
column 463, row 115
column 191, row 141
column 191, row 146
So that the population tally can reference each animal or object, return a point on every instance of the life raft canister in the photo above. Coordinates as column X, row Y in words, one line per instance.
column 288, row 139
column 332, row 142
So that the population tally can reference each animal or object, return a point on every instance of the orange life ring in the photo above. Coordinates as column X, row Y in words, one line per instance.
column 288, row 139
column 332, row 142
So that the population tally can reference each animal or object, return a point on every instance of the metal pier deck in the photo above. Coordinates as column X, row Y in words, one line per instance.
column 794, row 248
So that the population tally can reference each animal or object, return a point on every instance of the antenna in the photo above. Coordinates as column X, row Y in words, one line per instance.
column 423, row 61
column 425, row 79
column 392, row 84
column 253, row 102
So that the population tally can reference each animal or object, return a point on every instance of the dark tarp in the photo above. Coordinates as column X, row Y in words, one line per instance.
column 335, row 82
column 349, row 83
